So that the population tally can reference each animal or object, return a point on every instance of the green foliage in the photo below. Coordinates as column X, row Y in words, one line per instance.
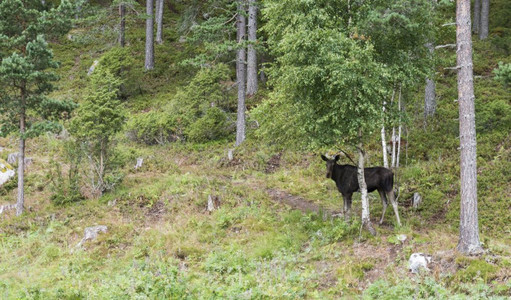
column 26, row 75
column 503, row 73
column 154, row 127
column 198, row 112
column 212, row 126
column 66, row 187
column 120, row 63
column 475, row 269
column 95, row 124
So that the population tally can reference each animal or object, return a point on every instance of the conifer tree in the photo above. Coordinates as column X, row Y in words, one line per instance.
column 26, row 75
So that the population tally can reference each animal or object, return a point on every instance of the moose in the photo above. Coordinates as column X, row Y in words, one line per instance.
column 377, row 178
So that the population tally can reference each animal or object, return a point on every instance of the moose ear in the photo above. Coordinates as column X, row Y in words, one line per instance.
column 324, row 157
column 337, row 157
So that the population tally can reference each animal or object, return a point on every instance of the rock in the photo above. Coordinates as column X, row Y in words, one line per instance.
column 213, row 203
column 417, row 199
column 7, row 207
column 92, row 67
column 230, row 154
column 182, row 39
column 12, row 158
column 140, row 161
column 418, row 261
column 401, row 237
column 6, row 172
column 91, row 233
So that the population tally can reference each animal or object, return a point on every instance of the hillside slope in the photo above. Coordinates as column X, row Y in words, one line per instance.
column 272, row 235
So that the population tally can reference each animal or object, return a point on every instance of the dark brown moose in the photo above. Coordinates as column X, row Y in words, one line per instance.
column 377, row 178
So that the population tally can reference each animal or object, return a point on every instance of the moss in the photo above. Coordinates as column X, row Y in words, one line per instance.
column 473, row 269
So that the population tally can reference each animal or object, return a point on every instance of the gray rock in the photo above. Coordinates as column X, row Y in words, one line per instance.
column 418, row 261
column 91, row 233
column 12, row 158
column 417, row 199
column 92, row 67
column 140, row 161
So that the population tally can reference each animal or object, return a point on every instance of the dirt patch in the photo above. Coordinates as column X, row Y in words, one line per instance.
column 297, row 202
column 273, row 164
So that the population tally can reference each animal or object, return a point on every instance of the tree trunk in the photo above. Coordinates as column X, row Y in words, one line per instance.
column 241, row 73
column 477, row 16
column 430, row 91
column 149, row 36
column 469, row 227
column 252, row 55
column 485, row 12
column 384, row 144
column 159, row 21
column 21, row 159
column 122, row 29
column 399, row 131
column 366, row 221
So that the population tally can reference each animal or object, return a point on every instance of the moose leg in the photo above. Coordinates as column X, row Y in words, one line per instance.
column 384, row 203
column 394, row 205
column 347, row 207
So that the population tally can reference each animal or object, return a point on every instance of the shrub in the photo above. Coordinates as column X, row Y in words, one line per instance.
column 503, row 73
column 213, row 125
column 154, row 127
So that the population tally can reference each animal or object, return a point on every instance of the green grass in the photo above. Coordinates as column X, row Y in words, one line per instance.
column 162, row 243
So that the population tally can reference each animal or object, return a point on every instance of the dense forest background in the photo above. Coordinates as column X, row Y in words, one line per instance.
column 191, row 205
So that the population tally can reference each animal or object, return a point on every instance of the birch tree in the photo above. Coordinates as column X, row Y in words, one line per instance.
column 469, row 227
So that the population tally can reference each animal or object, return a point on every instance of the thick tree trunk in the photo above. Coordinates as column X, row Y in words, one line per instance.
column 485, row 16
column 366, row 221
column 252, row 55
column 122, row 29
column 21, row 160
column 477, row 16
column 430, row 91
column 469, row 227
column 149, row 36
column 241, row 73
column 159, row 21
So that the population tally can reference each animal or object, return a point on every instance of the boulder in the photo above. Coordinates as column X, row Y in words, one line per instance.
column 418, row 261
column 6, row 171
column 91, row 233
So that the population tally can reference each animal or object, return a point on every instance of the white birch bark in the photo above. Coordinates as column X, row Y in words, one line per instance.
column 469, row 227
column 366, row 221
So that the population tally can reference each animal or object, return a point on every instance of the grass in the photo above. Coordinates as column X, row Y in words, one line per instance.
column 162, row 242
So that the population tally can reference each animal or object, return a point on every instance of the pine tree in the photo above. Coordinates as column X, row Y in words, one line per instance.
column 26, row 75
column 252, row 52
column 149, row 36
column 241, row 72
column 469, row 226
